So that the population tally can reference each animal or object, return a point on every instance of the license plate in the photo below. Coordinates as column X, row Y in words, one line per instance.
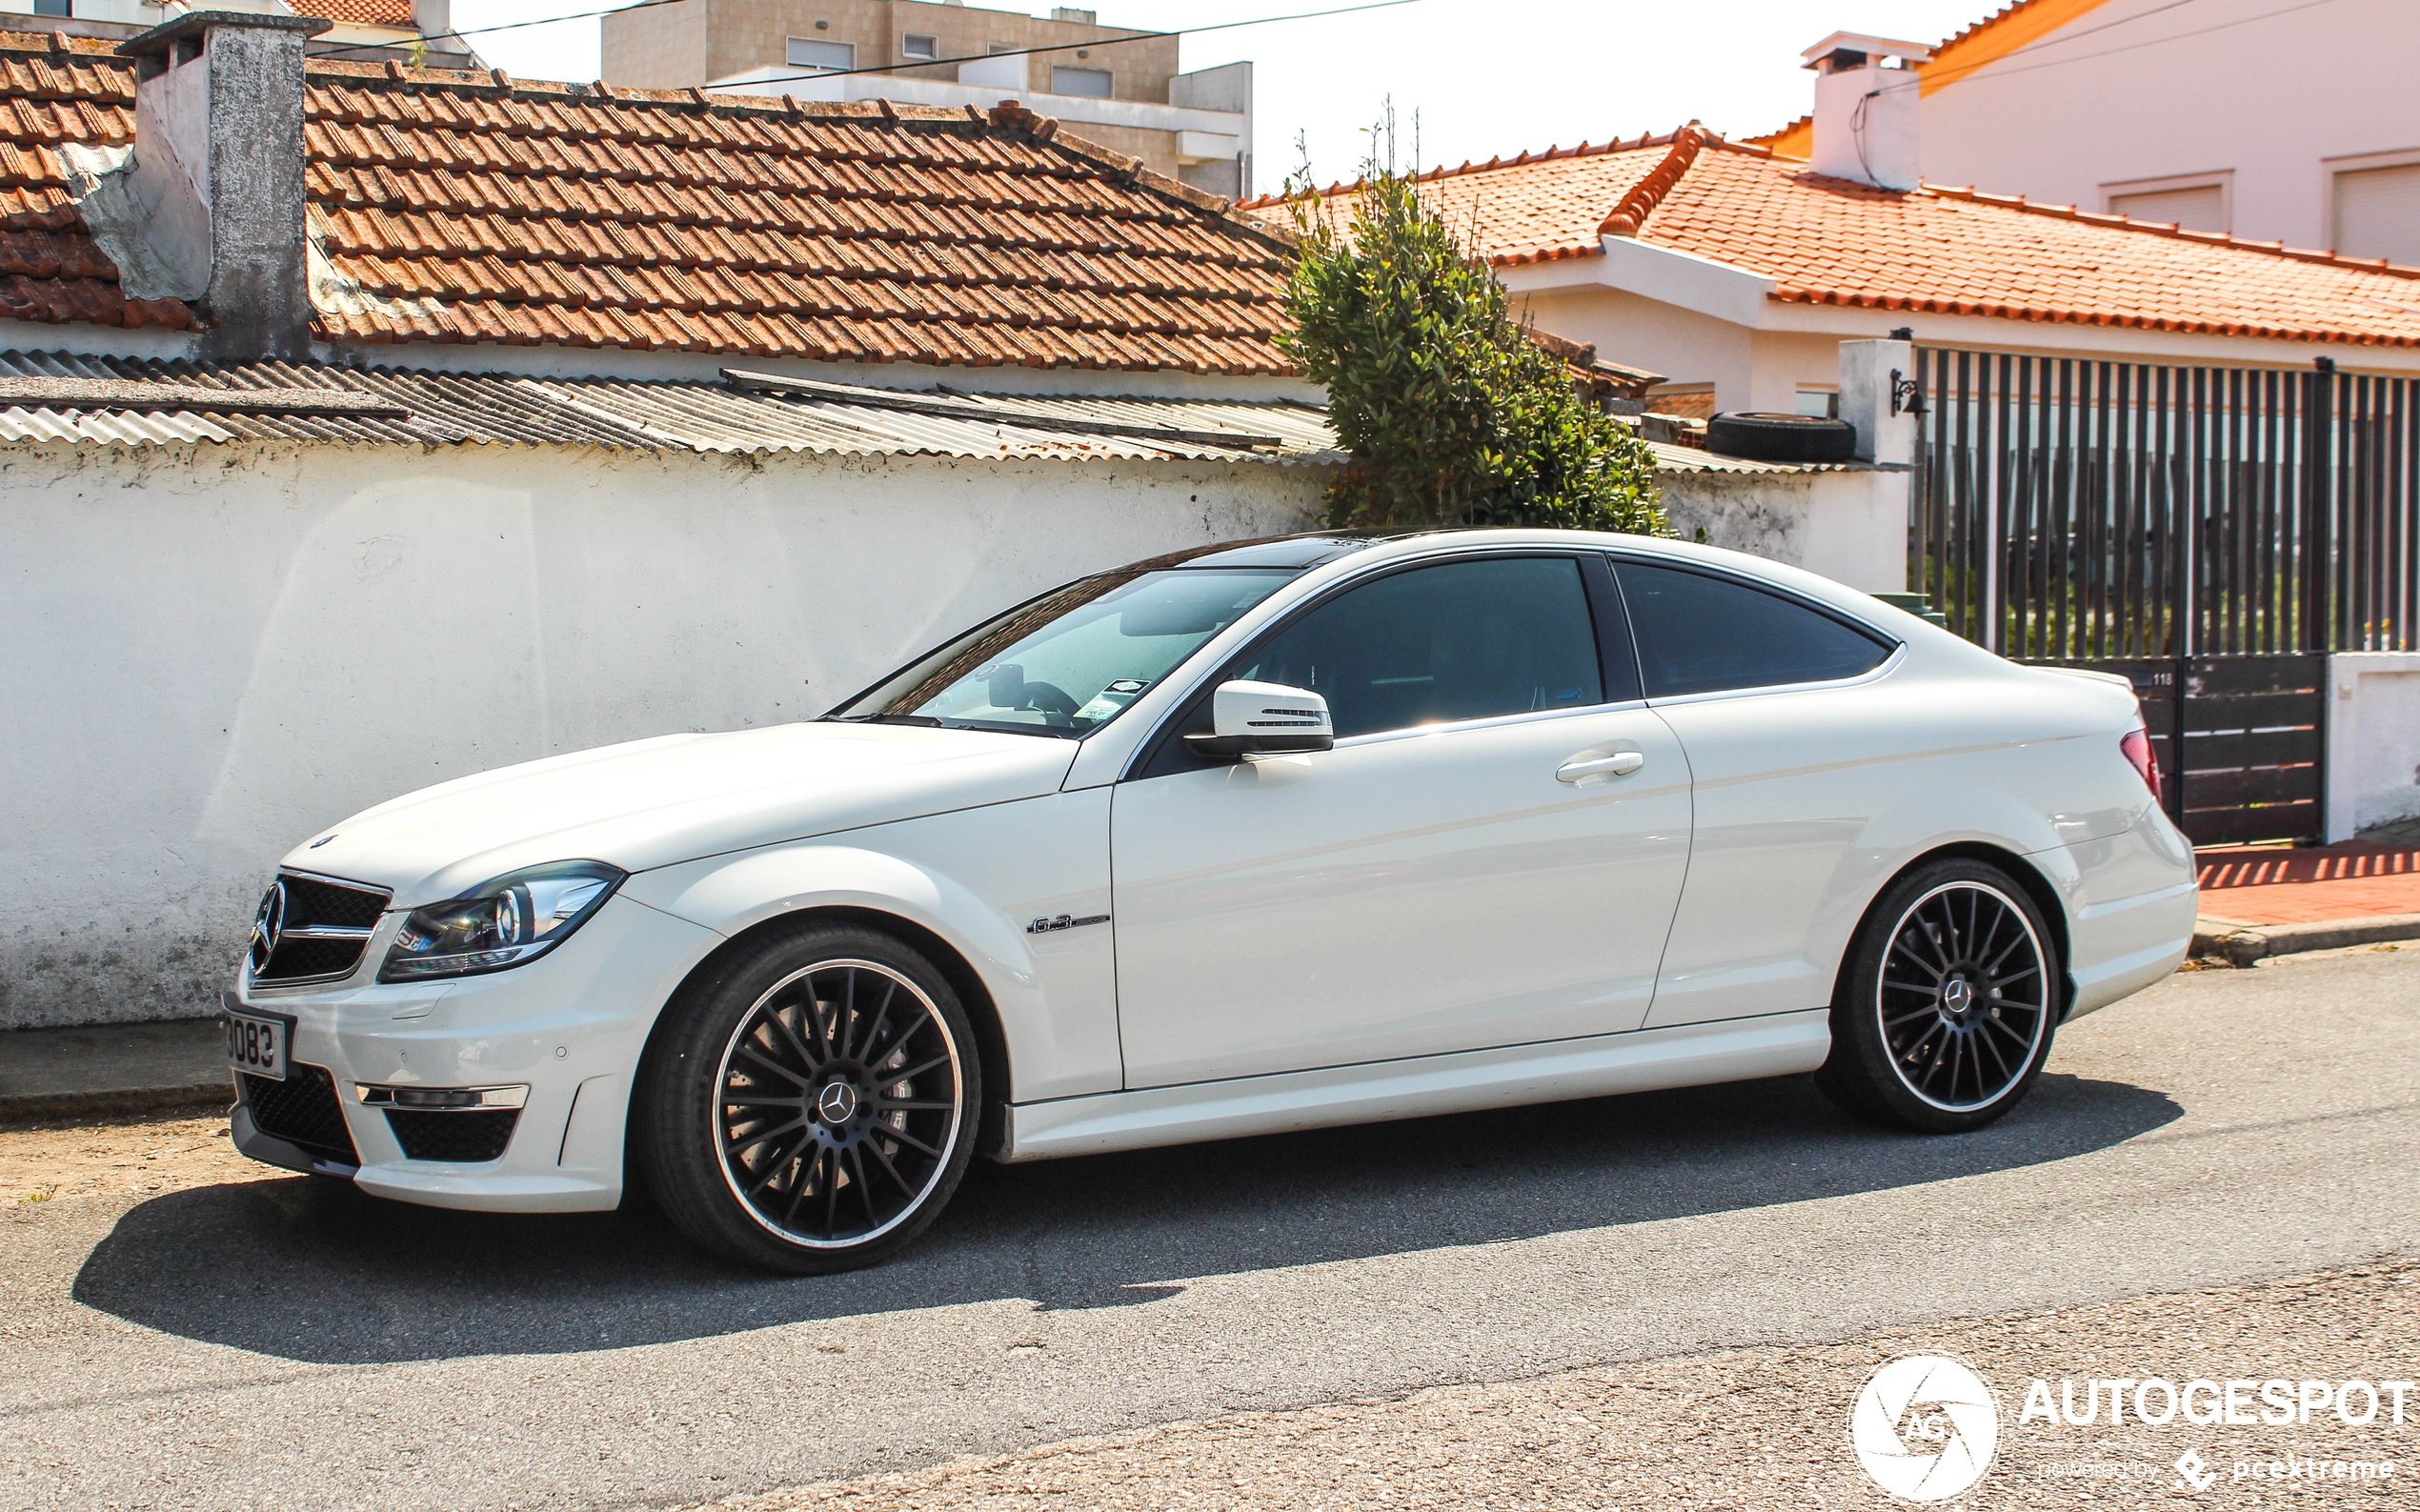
column 256, row 1042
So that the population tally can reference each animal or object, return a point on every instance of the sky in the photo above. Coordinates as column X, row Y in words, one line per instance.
column 1480, row 78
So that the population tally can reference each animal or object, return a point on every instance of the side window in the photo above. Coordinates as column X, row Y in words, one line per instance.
column 1462, row 640
column 1699, row 633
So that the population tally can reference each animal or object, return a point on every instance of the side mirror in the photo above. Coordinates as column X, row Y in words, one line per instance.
column 1263, row 719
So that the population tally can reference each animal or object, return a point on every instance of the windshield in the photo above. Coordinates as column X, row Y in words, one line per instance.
column 1070, row 661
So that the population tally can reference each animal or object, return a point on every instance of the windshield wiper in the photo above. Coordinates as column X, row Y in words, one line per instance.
column 926, row 720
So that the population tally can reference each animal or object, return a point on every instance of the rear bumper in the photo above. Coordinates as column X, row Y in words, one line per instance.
column 2131, row 899
column 570, row 1027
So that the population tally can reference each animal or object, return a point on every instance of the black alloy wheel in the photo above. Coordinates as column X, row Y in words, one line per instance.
column 815, row 1104
column 1948, row 1004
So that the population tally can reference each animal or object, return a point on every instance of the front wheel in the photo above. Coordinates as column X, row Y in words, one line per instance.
column 1947, row 1002
column 811, row 1104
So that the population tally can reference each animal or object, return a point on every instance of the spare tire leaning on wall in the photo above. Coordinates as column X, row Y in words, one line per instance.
column 1781, row 437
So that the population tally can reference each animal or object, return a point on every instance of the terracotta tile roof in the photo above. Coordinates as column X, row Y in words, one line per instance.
column 1534, row 207
column 1944, row 250
column 56, row 90
column 466, row 207
column 457, row 207
column 392, row 13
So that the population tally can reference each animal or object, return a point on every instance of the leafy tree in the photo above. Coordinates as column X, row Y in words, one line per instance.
column 1453, row 416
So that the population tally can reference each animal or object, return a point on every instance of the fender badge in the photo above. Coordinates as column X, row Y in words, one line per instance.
column 1047, row 926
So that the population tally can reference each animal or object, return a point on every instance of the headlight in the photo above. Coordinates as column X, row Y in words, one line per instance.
column 507, row 922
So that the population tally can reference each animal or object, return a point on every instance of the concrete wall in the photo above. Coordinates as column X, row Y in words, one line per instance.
column 216, row 649
column 2260, row 94
column 1852, row 527
column 2373, row 740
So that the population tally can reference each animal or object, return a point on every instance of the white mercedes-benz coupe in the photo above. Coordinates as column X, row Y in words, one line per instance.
column 1264, row 837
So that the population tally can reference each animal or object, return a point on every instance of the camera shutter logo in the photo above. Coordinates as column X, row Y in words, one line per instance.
column 1925, row 1427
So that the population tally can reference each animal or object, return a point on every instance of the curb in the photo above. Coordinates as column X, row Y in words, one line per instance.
column 2243, row 944
column 39, row 1107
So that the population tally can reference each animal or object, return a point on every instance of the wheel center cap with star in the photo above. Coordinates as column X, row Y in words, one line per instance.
column 837, row 1103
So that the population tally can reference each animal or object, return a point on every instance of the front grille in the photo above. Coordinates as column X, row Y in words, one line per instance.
column 303, row 907
column 465, row 1138
column 302, row 1110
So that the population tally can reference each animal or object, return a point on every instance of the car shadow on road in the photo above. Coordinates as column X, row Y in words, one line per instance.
column 312, row 1270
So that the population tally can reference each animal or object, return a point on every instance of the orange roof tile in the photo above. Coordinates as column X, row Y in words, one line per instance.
column 392, row 13
column 469, row 207
column 1945, row 251
column 54, row 90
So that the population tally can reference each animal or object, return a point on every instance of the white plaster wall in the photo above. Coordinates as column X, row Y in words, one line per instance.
column 1852, row 527
column 2373, row 740
column 2264, row 89
column 214, row 651
column 1682, row 345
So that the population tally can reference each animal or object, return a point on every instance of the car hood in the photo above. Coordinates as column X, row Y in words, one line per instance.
column 674, row 798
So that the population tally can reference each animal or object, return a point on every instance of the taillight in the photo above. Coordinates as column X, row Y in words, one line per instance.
column 2137, row 746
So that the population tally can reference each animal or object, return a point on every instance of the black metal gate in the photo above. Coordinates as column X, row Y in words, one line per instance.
column 2210, row 532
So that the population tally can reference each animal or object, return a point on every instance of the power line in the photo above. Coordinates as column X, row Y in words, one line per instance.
column 919, row 63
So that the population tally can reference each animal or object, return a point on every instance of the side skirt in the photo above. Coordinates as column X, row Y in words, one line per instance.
column 1644, row 1061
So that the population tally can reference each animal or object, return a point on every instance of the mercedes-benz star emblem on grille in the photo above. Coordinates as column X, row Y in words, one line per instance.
column 267, row 924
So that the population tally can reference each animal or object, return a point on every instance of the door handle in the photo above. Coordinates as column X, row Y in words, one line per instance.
column 1619, row 764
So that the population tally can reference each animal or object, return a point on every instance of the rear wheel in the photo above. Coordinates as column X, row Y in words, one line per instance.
column 811, row 1105
column 1947, row 1002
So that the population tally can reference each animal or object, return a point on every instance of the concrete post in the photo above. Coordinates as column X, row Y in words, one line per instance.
column 219, row 129
column 1866, row 372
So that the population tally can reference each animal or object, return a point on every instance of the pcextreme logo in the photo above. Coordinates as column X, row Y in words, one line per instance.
column 1925, row 1427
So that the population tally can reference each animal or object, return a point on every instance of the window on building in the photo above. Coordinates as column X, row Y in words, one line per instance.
column 1091, row 84
column 1824, row 404
column 2378, row 213
column 2200, row 207
column 53, row 8
column 916, row 46
column 807, row 54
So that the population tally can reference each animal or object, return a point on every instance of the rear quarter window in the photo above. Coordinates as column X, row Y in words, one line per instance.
column 1698, row 632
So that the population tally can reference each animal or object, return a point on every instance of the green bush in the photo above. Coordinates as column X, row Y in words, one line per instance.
column 1454, row 417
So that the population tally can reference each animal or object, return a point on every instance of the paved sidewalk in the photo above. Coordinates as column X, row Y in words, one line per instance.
column 2275, row 884
column 111, row 1068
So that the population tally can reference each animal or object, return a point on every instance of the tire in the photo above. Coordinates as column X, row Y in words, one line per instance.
column 742, row 1131
column 1911, row 1048
column 1782, row 437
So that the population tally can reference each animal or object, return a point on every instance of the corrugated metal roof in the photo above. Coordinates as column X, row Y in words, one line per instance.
column 449, row 409
column 134, row 402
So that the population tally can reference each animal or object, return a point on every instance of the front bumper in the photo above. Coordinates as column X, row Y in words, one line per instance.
column 570, row 1026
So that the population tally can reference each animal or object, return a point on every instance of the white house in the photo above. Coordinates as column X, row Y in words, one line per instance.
column 1738, row 271
column 2285, row 122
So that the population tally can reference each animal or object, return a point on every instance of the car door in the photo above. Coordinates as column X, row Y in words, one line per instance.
column 1431, row 884
column 1795, row 746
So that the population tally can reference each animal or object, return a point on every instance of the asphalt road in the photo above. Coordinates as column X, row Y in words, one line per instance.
column 292, row 1344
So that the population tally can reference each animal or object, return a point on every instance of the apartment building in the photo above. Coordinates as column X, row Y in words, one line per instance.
column 1121, row 87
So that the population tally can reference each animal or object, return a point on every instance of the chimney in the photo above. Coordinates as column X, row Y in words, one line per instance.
column 217, row 174
column 1865, row 112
